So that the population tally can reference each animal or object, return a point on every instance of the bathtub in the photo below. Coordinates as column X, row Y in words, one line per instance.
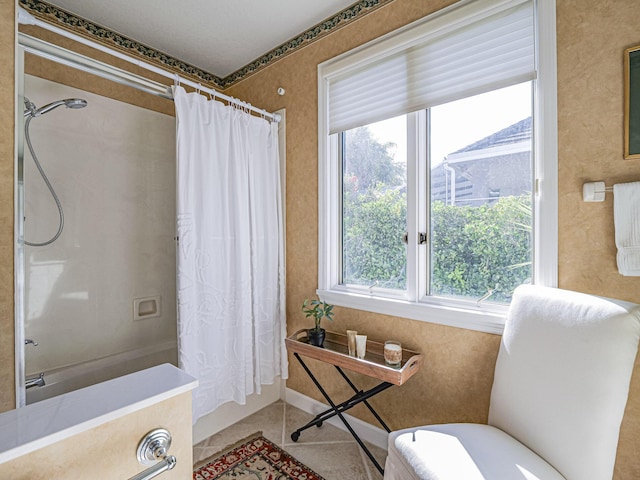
column 73, row 377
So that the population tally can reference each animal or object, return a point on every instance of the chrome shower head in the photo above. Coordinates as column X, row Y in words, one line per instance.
column 32, row 111
column 75, row 103
column 69, row 103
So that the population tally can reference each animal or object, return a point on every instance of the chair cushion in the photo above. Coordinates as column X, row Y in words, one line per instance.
column 462, row 451
column 562, row 377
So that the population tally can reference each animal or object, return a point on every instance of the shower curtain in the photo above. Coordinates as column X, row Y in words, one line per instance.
column 231, row 311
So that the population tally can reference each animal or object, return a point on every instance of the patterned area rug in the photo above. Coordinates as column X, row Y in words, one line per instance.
column 255, row 459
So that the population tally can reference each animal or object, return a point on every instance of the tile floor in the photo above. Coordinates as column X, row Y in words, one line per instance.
column 329, row 451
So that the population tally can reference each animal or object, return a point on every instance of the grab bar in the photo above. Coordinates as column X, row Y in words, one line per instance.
column 166, row 464
column 153, row 447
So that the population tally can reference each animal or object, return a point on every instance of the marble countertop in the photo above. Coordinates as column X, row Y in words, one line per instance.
column 35, row 426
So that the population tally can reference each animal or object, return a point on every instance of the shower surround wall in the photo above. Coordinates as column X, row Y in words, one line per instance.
column 113, row 167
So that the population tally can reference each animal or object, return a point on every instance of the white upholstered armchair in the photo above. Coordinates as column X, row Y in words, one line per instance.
column 559, row 392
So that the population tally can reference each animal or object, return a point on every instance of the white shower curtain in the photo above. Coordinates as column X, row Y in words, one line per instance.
column 231, row 312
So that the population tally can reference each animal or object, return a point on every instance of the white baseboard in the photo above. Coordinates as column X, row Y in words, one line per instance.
column 367, row 432
column 229, row 413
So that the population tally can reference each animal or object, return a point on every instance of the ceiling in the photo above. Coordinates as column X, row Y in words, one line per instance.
column 218, row 36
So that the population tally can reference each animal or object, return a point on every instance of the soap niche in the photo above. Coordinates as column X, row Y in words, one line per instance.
column 147, row 307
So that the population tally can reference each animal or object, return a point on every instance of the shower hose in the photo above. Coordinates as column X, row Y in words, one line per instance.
column 49, row 186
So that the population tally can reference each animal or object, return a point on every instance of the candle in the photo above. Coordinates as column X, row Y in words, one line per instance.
column 392, row 353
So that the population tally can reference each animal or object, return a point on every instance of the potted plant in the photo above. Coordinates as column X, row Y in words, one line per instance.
column 318, row 310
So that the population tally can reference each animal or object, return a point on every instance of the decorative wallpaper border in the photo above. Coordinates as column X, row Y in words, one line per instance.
column 69, row 21
column 322, row 29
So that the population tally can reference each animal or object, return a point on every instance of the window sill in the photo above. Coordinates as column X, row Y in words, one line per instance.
column 478, row 319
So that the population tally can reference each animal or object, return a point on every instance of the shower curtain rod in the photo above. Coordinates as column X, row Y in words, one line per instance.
column 117, row 74
column 86, row 64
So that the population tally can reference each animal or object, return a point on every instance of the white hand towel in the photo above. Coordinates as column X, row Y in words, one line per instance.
column 626, row 218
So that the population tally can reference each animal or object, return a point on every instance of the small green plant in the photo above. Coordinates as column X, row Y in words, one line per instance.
column 318, row 310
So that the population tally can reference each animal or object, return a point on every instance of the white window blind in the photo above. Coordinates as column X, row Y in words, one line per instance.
column 470, row 48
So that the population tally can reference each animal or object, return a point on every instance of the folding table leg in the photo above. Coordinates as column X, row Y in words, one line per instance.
column 334, row 408
column 355, row 389
column 359, row 397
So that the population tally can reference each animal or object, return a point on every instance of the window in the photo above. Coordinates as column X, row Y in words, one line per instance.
column 374, row 205
column 437, row 161
column 480, row 191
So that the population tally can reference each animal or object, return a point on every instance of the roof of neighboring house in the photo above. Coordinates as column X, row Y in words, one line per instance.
column 512, row 134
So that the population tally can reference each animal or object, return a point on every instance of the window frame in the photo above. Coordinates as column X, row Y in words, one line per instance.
column 486, row 317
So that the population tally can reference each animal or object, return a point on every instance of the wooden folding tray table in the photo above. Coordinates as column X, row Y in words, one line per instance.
column 335, row 352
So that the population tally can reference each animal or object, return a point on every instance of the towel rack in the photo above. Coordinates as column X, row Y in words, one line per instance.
column 153, row 447
column 166, row 464
column 595, row 191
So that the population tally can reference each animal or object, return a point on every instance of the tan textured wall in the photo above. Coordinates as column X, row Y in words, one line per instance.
column 592, row 36
column 109, row 451
column 590, row 120
column 7, row 100
column 455, row 382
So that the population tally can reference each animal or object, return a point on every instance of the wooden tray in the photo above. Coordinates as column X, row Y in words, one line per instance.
column 335, row 352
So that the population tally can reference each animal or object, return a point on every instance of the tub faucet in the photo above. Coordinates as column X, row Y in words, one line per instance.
column 34, row 381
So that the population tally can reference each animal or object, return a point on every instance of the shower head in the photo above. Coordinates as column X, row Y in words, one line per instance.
column 69, row 103
column 75, row 103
